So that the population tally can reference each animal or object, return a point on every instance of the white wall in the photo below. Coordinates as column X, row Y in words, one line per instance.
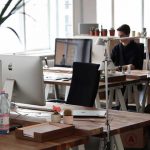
column 84, row 11
column 89, row 11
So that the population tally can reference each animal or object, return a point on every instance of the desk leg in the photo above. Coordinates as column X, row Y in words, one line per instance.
column 144, row 96
column 121, row 99
column 97, row 101
column 111, row 97
column 129, row 89
column 74, row 148
column 67, row 92
column 118, row 141
column 128, row 93
column 136, row 97
column 48, row 88
column 56, row 91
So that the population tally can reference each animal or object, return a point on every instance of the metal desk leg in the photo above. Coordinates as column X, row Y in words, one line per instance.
column 97, row 101
column 48, row 89
column 56, row 91
column 136, row 97
column 121, row 99
column 144, row 96
column 129, row 93
column 118, row 142
column 112, row 144
column 67, row 92
column 126, row 93
column 101, row 144
column 111, row 97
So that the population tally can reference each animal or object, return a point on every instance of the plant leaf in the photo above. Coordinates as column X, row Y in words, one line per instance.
column 28, row 16
column 15, row 8
column 14, row 32
column 5, row 8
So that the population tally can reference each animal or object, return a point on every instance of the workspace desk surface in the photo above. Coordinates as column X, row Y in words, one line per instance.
column 134, row 77
column 120, row 121
column 10, row 142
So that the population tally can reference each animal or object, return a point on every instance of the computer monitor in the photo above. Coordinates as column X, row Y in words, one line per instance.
column 27, row 73
column 69, row 50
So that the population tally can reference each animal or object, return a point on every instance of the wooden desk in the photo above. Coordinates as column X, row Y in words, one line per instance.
column 121, row 121
column 10, row 142
column 136, row 77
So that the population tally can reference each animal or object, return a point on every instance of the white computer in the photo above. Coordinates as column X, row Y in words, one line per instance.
column 22, row 78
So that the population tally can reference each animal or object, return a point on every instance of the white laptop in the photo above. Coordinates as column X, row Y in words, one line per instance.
column 88, row 113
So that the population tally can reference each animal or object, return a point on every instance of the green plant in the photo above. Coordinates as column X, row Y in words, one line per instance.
column 9, row 9
column 67, row 112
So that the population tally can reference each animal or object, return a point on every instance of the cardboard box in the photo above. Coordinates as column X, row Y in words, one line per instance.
column 133, row 139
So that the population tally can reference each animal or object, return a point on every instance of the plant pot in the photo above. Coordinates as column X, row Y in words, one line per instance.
column 104, row 32
column 55, row 118
column 68, row 119
column 112, row 32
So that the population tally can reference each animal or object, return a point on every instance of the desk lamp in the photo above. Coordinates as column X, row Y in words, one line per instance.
column 105, row 65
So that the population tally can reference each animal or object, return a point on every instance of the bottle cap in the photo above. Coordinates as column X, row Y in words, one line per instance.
column 2, row 92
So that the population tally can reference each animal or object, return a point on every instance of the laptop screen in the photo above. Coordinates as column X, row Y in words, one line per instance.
column 68, row 51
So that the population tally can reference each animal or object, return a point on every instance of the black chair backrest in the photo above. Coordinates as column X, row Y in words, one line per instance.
column 141, row 54
column 84, row 84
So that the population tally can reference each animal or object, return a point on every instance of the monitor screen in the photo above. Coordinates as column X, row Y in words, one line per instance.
column 27, row 72
column 68, row 51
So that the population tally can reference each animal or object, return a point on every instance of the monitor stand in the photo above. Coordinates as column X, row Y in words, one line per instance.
column 9, row 87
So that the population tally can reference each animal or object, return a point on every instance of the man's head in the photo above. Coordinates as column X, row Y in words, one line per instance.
column 124, row 31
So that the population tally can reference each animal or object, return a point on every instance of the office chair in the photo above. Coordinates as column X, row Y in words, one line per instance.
column 84, row 84
column 141, row 54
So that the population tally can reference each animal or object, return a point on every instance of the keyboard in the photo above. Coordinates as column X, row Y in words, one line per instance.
column 60, row 69
column 57, row 76
column 33, row 107
column 88, row 113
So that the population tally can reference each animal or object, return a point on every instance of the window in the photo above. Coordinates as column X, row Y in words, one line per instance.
column 128, row 12
column 36, row 26
column 44, row 21
column 120, row 12
column 104, row 13
column 8, row 40
column 146, row 16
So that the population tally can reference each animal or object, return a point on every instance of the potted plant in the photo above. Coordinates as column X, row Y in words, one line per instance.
column 68, row 117
column 112, row 31
column 56, row 117
column 9, row 9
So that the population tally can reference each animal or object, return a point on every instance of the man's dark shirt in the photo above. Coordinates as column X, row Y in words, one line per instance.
column 129, row 54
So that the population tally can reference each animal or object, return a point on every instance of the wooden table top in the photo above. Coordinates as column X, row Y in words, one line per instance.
column 10, row 142
column 120, row 121
column 135, row 77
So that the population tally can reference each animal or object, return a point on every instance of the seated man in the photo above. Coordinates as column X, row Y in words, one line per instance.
column 127, row 52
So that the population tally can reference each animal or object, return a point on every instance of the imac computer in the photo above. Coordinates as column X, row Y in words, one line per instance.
column 27, row 74
column 69, row 50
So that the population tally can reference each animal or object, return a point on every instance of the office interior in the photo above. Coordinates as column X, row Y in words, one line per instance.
column 46, row 20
